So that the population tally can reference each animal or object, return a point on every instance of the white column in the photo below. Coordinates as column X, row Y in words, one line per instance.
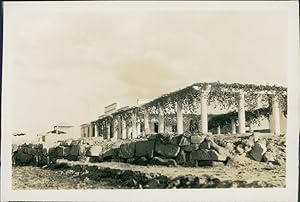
column 146, row 123
column 115, row 129
column 275, row 116
column 129, row 131
column 204, row 122
column 241, row 113
column 138, row 128
column 161, row 120
column 123, row 128
column 134, row 126
column 96, row 129
column 219, row 130
column 233, row 127
column 108, row 130
column 119, row 136
column 179, row 117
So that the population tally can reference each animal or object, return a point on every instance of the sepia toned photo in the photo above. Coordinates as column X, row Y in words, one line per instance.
column 147, row 96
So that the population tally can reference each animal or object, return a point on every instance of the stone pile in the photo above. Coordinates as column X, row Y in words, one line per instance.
column 157, row 149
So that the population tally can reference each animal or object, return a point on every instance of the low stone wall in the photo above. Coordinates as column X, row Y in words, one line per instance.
column 157, row 149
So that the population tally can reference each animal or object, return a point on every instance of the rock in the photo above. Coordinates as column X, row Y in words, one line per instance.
column 229, row 146
column 25, row 158
column 132, row 183
column 191, row 163
column 113, row 152
column 181, row 158
column 74, row 150
column 268, row 157
column 127, row 150
column 67, row 151
column 201, row 154
column 239, row 149
column 144, row 148
column 197, row 139
column 204, row 145
column 180, row 140
column 184, row 141
column 215, row 156
column 153, row 184
column 247, row 149
column 94, row 150
column 208, row 155
column 258, row 151
column 165, row 162
column 141, row 161
column 52, row 152
column 218, row 148
column 60, row 151
column 131, row 160
column 191, row 147
column 248, row 142
column 82, row 150
column 167, row 150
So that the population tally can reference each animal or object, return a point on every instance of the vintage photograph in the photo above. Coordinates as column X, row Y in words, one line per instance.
column 102, row 95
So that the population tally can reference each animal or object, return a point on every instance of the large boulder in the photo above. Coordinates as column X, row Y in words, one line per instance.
column 215, row 156
column 67, row 151
column 202, row 154
column 268, row 157
column 60, row 151
column 181, row 158
column 180, row 140
column 167, row 150
column 191, row 147
column 208, row 155
column 144, row 148
column 197, row 139
column 258, row 151
column 74, row 150
column 94, row 150
column 127, row 150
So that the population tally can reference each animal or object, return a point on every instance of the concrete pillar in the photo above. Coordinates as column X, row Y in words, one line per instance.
column 241, row 113
column 129, row 132
column 161, row 120
column 96, row 130
column 146, row 123
column 219, row 130
column 124, row 129
column 179, row 117
column 233, row 127
column 204, row 122
column 275, row 116
column 108, row 130
column 138, row 128
column 115, row 129
column 134, row 124
column 119, row 135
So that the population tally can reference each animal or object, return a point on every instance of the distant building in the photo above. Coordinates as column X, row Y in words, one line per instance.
column 60, row 131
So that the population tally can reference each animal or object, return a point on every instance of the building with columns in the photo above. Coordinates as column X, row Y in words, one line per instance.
column 199, row 108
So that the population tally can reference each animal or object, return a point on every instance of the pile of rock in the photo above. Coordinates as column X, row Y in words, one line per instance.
column 157, row 149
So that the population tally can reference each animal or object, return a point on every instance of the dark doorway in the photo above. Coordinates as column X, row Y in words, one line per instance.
column 156, row 127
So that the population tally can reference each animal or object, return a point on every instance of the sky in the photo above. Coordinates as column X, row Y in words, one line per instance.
column 65, row 65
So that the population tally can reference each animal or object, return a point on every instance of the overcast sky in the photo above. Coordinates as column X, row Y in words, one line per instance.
column 66, row 65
